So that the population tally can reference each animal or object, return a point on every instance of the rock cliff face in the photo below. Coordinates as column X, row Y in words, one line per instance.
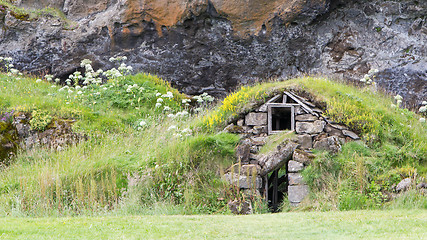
column 212, row 46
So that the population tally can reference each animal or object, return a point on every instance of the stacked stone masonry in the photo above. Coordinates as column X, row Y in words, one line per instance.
column 313, row 131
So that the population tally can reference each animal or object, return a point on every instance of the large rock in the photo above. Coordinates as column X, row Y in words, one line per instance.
column 334, row 131
column 303, row 157
column 295, row 179
column 297, row 193
column 351, row 134
column 294, row 166
column 240, row 207
column 305, row 140
column 278, row 158
column 306, row 118
column 256, row 119
column 310, row 127
column 404, row 185
column 331, row 144
column 213, row 46
column 242, row 151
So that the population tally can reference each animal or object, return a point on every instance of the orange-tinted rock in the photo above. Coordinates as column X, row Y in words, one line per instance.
column 246, row 16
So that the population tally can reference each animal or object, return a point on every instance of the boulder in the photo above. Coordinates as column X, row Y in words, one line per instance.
column 258, row 141
column 404, row 185
column 318, row 137
column 240, row 207
column 305, row 141
column 351, row 134
column 256, row 119
column 256, row 130
column 231, row 128
column 333, row 131
column 303, row 157
column 310, row 127
column 294, row 166
column 295, row 179
column 331, row 144
column 306, row 118
column 297, row 193
column 277, row 158
column 242, row 151
column 240, row 122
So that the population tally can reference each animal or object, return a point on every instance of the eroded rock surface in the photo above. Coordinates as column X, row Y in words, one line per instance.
column 212, row 46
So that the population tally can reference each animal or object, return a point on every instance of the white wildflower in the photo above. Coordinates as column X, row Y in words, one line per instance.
column 159, row 100
column 38, row 80
column 423, row 120
column 158, row 105
column 173, row 127
column 142, row 123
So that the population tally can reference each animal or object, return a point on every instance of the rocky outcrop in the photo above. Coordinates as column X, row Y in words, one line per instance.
column 212, row 46
column 16, row 133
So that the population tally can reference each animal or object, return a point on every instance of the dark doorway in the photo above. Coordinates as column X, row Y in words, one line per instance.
column 277, row 188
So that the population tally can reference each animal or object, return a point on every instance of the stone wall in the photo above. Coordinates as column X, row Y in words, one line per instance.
column 313, row 131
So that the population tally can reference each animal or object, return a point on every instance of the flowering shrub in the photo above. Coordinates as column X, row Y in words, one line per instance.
column 40, row 120
column 369, row 79
column 233, row 104
column 7, row 62
column 344, row 110
column 398, row 99
column 7, row 116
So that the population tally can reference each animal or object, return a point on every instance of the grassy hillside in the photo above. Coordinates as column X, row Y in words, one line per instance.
column 149, row 151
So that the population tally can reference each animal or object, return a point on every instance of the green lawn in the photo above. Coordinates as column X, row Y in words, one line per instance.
column 395, row 224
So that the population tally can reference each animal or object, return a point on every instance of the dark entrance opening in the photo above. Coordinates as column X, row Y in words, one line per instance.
column 277, row 188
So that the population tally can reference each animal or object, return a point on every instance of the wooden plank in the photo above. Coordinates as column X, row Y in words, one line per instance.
column 263, row 107
column 301, row 103
column 275, row 199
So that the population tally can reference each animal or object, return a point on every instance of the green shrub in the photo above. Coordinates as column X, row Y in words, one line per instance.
column 40, row 120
